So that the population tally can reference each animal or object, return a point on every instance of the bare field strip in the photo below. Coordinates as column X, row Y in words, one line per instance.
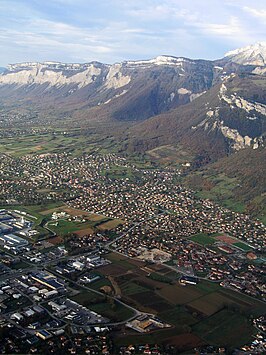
column 82, row 232
column 177, row 294
column 110, row 224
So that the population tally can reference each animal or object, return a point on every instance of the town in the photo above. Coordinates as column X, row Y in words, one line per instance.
column 140, row 213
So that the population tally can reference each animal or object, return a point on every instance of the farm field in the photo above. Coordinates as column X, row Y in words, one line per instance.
column 54, row 142
column 222, row 187
column 211, row 303
column 109, row 225
column 225, row 327
column 170, row 154
column 186, row 308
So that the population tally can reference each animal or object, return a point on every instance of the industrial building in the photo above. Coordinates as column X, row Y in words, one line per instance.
column 12, row 241
column 5, row 228
column 190, row 280
column 48, row 280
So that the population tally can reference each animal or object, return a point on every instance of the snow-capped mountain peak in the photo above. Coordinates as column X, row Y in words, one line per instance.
column 250, row 55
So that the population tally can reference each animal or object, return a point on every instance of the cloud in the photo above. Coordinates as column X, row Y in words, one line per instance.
column 109, row 31
column 232, row 28
column 258, row 13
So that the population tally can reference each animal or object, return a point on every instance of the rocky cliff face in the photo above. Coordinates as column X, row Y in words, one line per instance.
column 227, row 118
column 131, row 90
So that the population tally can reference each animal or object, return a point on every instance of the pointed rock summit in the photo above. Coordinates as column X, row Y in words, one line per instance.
column 251, row 55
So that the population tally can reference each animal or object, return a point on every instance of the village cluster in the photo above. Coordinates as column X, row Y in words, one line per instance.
column 160, row 219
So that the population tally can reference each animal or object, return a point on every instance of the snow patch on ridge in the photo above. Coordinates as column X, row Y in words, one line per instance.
column 160, row 60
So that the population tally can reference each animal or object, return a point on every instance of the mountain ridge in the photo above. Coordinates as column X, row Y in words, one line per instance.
column 137, row 91
column 213, row 109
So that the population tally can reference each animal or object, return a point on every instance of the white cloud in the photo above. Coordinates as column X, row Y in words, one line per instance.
column 232, row 28
column 258, row 13
column 117, row 30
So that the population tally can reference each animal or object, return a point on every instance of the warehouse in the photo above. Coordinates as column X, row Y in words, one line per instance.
column 13, row 241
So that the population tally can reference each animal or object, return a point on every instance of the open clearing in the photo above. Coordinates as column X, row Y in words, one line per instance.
column 110, row 224
column 177, row 294
column 205, row 309
column 211, row 303
column 63, row 227
column 82, row 232
column 225, row 328
column 243, row 246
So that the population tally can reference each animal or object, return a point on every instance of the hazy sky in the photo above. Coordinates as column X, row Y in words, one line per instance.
column 117, row 30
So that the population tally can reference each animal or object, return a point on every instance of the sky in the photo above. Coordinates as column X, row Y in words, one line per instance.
column 112, row 31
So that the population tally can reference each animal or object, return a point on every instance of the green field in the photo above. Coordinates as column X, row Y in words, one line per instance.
column 170, row 154
column 87, row 298
column 112, row 310
column 157, row 277
column 57, row 141
column 179, row 317
column 219, row 188
column 63, row 227
column 203, row 239
column 121, row 261
column 131, row 288
column 243, row 246
column 225, row 328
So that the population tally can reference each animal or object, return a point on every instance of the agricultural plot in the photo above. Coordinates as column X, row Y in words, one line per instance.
column 150, row 300
column 221, row 189
column 204, row 311
column 131, row 288
column 109, row 225
column 225, row 328
column 170, row 154
column 73, row 142
column 178, row 316
column 177, row 294
column 209, row 304
column 112, row 310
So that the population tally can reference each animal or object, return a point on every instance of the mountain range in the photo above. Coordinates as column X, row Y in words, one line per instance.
column 212, row 109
